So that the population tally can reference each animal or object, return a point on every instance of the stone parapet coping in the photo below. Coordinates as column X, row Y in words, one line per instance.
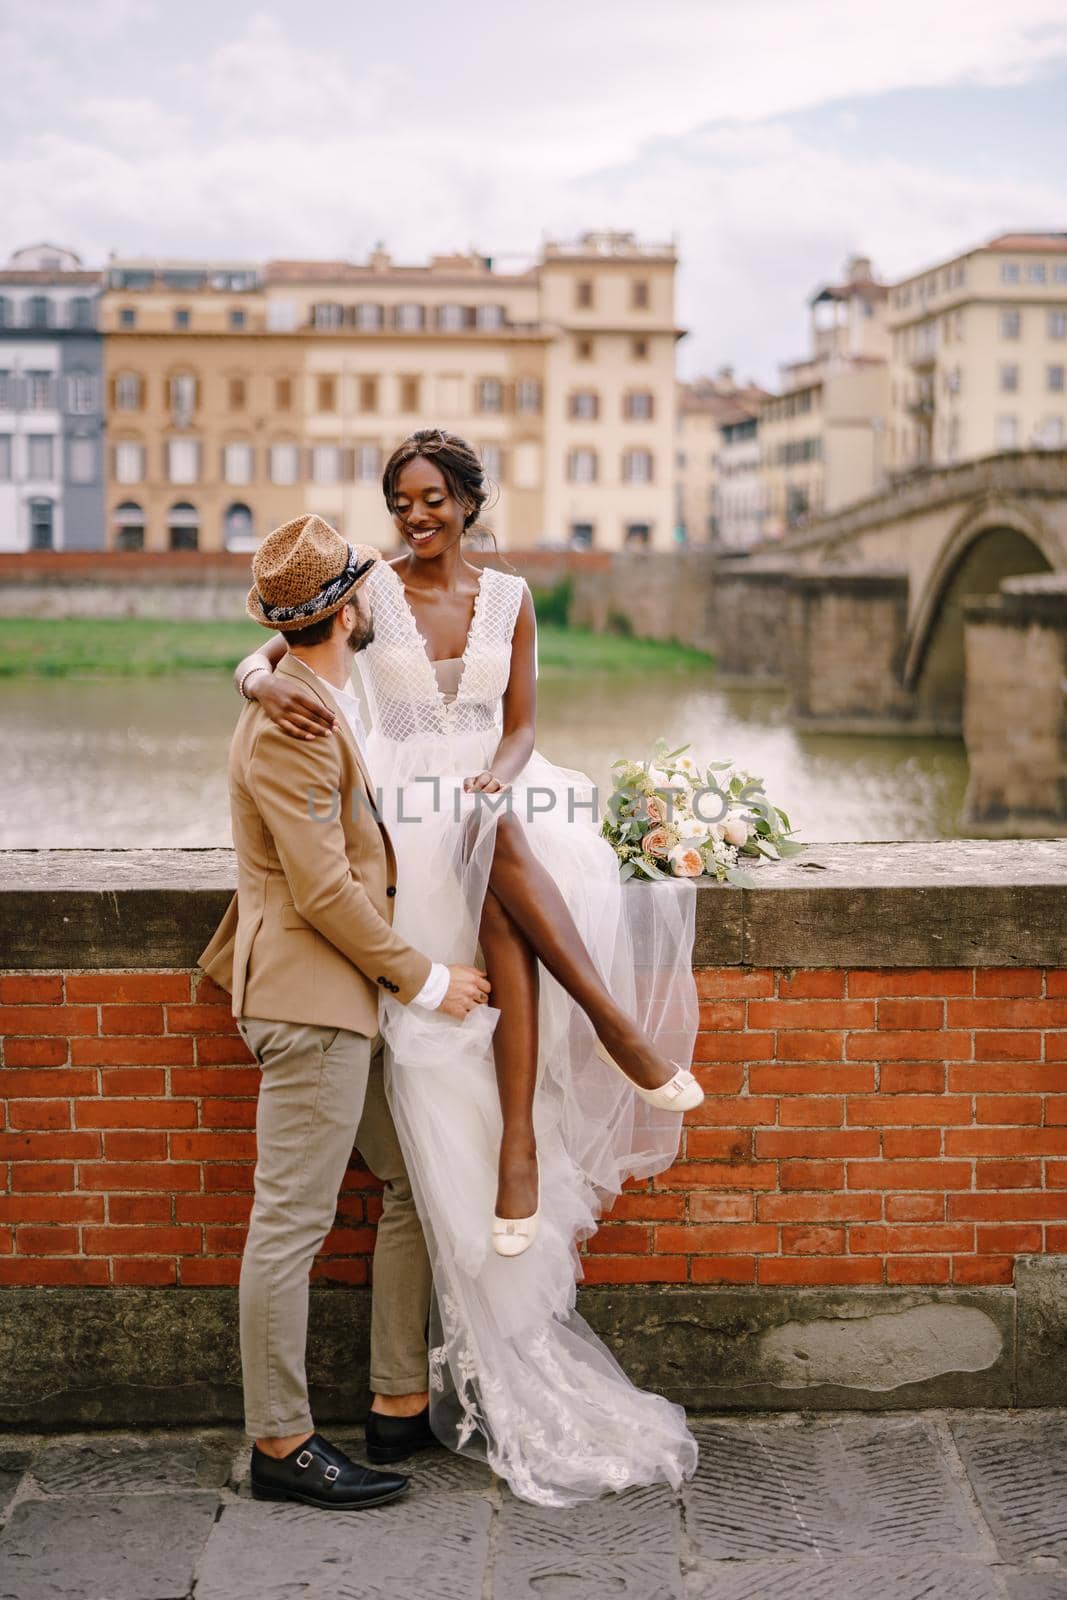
column 967, row 902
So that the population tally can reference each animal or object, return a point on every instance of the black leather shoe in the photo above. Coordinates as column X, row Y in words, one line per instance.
column 318, row 1474
column 394, row 1438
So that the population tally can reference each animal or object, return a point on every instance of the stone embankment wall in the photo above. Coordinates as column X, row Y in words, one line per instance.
column 870, row 1208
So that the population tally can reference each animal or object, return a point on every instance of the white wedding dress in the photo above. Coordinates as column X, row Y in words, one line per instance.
column 517, row 1376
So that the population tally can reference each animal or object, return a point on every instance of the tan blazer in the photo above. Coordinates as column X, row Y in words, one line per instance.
column 307, row 937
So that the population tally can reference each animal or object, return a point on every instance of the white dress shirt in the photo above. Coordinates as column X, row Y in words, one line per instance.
column 435, row 988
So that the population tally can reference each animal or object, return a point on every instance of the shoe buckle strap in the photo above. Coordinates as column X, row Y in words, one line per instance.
column 331, row 1473
column 304, row 1459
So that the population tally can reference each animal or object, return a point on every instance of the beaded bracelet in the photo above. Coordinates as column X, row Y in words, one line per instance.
column 245, row 677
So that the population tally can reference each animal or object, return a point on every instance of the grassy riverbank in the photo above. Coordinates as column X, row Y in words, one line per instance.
column 137, row 647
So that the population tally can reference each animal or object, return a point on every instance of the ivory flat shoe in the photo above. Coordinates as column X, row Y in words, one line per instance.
column 680, row 1093
column 513, row 1235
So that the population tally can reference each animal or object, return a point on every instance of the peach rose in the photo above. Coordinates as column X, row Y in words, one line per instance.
column 654, row 809
column 658, row 842
column 686, row 861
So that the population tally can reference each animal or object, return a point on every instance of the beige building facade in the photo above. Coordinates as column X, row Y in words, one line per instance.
column 979, row 354
column 823, row 437
column 241, row 394
column 719, row 493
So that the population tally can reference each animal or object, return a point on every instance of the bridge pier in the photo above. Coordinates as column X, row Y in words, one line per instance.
column 848, row 636
column 1015, row 709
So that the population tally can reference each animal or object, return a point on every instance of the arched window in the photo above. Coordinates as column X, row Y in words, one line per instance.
column 42, row 524
column 39, row 311
column 237, row 531
column 183, row 526
column 182, row 393
column 128, row 526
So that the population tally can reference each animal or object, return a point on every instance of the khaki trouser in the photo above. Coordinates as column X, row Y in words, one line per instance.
column 320, row 1093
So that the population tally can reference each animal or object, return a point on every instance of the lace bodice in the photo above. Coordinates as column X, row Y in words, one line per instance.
column 405, row 698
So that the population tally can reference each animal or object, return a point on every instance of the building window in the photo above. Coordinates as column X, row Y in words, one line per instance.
column 326, row 463
column 40, row 391
column 1035, row 272
column 584, row 405
column 183, row 525
column 128, row 523
column 41, row 451
column 237, row 394
column 327, row 315
column 237, row 530
column 528, row 395
column 583, row 349
column 181, row 317
column 237, row 463
column 582, row 534
column 42, row 528
column 638, row 533
column 368, row 394
column 1009, row 272
column 637, row 466
column 489, row 395
column 282, row 316
column 409, row 394
column 368, row 463
column 326, row 394
column 81, row 312
column 81, row 394
column 1050, row 434
column 5, row 458
column 369, row 318
column 1009, row 378
column 1055, row 378
column 237, row 320
column 1007, row 433
column 639, row 294
column 6, row 319
column 1059, row 272
column 183, row 460
column 489, row 318
column 81, row 460
column 284, row 463
column 492, row 461
column 127, row 392
column 639, row 349
column 583, row 294
column 451, row 318
column 1057, row 324
column 283, row 394
column 7, row 392
column 39, row 311
column 582, row 466
column 1011, row 323
column 127, row 317
column 129, row 463
column 638, row 407
column 409, row 318
column 182, row 391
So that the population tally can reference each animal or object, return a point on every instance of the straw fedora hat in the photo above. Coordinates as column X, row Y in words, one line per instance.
column 305, row 571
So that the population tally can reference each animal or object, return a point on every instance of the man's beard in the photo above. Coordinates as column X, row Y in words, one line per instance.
column 359, row 639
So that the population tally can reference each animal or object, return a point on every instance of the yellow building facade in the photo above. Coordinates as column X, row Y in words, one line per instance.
column 239, row 394
column 979, row 353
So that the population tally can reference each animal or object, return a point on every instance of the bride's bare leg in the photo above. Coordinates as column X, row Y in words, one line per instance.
column 511, row 967
column 535, row 905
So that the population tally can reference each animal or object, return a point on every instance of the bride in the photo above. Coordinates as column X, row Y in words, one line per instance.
column 520, row 1124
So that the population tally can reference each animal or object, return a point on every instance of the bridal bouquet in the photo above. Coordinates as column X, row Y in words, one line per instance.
column 669, row 817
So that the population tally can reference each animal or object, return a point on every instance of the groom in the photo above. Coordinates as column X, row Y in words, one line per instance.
column 306, row 947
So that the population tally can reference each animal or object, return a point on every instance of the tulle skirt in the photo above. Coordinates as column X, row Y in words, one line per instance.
column 517, row 1376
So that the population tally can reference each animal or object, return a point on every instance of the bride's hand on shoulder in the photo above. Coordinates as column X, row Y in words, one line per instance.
column 290, row 707
column 483, row 783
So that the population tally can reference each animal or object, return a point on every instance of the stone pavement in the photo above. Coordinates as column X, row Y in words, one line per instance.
column 937, row 1505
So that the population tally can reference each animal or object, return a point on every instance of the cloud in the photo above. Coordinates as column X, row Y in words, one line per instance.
column 318, row 129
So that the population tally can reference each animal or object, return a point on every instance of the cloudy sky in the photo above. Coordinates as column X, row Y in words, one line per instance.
column 770, row 139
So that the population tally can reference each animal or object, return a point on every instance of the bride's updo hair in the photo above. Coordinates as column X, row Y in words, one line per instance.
column 459, row 465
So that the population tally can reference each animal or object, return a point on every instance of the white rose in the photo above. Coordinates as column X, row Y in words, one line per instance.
column 690, row 827
column 735, row 828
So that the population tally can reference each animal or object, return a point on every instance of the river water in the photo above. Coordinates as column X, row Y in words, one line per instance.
column 142, row 762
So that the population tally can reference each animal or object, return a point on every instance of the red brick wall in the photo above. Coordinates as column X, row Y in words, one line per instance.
column 861, row 1127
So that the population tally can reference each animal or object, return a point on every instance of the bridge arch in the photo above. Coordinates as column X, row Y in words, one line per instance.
column 991, row 541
